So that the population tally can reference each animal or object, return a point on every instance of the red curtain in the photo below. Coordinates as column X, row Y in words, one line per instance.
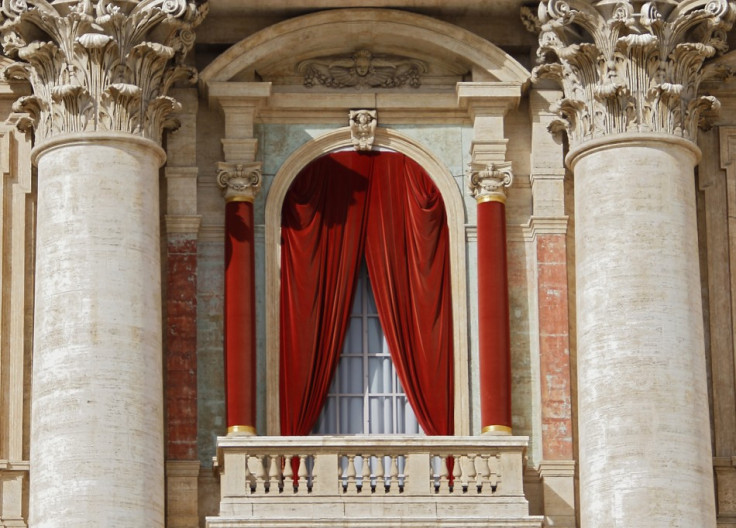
column 407, row 252
column 322, row 231
column 338, row 203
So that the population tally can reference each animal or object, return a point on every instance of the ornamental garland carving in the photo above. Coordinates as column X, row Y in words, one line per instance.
column 361, row 69
column 99, row 65
column 624, row 71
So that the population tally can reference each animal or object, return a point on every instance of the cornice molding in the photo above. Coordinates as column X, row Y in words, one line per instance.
column 624, row 72
column 99, row 65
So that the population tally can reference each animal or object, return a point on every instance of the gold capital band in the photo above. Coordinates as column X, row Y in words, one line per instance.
column 239, row 198
column 241, row 429
column 496, row 429
column 496, row 197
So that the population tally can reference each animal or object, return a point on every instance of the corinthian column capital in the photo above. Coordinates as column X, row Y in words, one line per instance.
column 240, row 182
column 99, row 65
column 627, row 69
column 488, row 182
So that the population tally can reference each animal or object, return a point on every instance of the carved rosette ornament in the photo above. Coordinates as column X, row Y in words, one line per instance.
column 240, row 182
column 488, row 183
column 363, row 128
column 627, row 71
column 99, row 65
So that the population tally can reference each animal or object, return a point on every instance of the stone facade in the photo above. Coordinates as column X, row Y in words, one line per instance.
column 607, row 128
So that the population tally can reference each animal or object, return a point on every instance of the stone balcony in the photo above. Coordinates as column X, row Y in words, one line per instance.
column 411, row 481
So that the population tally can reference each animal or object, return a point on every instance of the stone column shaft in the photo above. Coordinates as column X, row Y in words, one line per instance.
column 643, row 399
column 240, row 183
column 487, row 185
column 97, row 415
column 631, row 111
column 100, row 72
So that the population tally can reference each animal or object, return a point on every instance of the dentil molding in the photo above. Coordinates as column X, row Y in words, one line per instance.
column 628, row 70
column 99, row 65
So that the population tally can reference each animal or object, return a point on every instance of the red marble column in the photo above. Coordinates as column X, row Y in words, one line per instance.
column 241, row 183
column 493, row 298
column 181, row 348
column 554, row 347
column 240, row 318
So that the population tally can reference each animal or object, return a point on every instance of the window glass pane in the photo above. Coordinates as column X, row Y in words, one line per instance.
column 381, row 415
column 405, row 416
column 354, row 337
column 351, row 415
column 351, row 375
column 375, row 336
column 358, row 300
column 376, row 367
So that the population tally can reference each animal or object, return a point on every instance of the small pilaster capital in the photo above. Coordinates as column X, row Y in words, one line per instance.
column 240, row 182
column 488, row 182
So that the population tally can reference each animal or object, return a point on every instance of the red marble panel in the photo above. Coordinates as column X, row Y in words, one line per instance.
column 554, row 347
column 181, row 348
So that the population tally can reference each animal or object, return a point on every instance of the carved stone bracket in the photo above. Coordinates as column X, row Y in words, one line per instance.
column 240, row 182
column 623, row 71
column 363, row 128
column 99, row 65
column 488, row 183
column 362, row 68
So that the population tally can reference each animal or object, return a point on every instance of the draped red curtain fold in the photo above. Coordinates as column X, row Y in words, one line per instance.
column 407, row 252
column 336, row 206
column 322, row 232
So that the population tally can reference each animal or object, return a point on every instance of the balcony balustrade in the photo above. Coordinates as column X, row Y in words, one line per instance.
column 375, row 480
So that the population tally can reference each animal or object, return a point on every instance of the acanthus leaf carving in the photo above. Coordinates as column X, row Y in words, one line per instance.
column 100, row 65
column 622, row 73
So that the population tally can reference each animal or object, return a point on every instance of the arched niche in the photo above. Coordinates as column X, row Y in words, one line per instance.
column 443, row 179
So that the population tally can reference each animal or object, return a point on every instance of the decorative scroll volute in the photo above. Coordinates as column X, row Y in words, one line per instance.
column 488, row 182
column 623, row 71
column 99, row 65
column 240, row 182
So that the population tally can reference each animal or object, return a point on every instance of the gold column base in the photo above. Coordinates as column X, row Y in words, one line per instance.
column 497, row 430
column 241, row 430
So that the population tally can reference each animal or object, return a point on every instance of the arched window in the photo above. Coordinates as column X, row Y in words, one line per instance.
column 384, row 205
column 388, row 140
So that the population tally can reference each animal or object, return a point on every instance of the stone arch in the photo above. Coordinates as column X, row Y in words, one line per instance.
column 334, row 30
column 454, row 205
